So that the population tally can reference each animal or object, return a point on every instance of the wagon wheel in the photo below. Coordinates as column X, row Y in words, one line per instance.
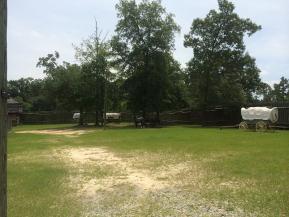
column 261, row 126
column 270, row 127
column 243, row 126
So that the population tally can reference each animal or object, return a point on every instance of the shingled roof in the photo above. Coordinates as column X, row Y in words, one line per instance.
column 12, row 101
column 14, row 107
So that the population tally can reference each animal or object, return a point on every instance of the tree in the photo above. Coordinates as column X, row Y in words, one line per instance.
column 115, row 95
column 264, row 93
column 142, row 47
column 64, row 82
column 220, row 62
column 27, row 91
column 94, row 54
column 177, row 96
column 249, row 77
column 49, row 63
column 281, row 91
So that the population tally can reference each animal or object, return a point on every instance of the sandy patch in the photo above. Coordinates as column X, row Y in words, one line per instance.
column 56, row 132
column 140, row 179
column 131, row 190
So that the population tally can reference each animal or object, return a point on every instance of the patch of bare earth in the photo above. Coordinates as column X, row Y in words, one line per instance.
column 128, row 175
column 68, row 132
column 112, row 185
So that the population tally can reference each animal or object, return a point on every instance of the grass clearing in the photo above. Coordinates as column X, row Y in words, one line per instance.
column 122, row 171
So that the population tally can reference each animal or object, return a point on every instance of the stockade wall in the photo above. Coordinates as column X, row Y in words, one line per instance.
column 211, row 117
column 61, row 118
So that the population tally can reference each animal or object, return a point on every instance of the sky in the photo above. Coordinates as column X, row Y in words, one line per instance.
column 38, row 27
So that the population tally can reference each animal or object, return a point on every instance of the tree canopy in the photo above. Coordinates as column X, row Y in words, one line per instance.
column 94, row 54
column 135, row 70
column 220, row 61
column 142, row 47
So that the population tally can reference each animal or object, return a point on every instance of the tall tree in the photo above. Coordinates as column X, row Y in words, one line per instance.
column 3, row 108
column 220, row 62
column 281, row 91
column 142, row 46
column 64, row 81
column 264, row 93
column 94, row 54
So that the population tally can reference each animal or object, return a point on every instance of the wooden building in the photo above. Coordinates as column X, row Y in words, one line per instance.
column 14, row 109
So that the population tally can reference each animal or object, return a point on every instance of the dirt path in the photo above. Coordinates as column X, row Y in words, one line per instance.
column 67, row 132
column 140, row 179
column 110, row 185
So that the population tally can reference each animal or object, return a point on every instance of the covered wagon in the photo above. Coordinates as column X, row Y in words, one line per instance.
column 260, row 118
column 113, row 116
column 109, row 116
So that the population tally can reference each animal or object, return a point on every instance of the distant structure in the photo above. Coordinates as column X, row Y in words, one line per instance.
column 14, row 109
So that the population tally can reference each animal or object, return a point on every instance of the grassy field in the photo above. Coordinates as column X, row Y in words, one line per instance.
column 59, row 170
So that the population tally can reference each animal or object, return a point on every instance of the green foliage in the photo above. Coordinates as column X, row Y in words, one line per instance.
column 278, row 94
column 136, row 70
column 32, row 93
column 281, row 91
column 49, row 62
column 264, row 93
column 142, row 49
column 94, row 54
column 63, row 81
column 220, row 62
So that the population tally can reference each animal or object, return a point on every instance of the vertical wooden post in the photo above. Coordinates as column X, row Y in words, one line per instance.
column 3, row 108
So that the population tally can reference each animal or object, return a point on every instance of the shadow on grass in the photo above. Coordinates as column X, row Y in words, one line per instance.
column 125, row 126
column 109, row 126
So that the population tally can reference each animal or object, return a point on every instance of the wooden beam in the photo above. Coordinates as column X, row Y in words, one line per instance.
column 3, row 108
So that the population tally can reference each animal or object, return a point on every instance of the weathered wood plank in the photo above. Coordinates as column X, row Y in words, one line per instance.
column 3, row 108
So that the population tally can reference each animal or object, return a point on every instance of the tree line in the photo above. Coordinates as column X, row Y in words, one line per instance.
column 135, row 69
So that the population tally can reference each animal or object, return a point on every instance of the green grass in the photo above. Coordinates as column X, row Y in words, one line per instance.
column 257, row 163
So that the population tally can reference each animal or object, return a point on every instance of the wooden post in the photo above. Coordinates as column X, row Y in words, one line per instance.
column 3, row 108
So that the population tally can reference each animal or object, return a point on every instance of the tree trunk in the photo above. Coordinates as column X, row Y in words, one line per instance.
column 146, row 84
column 96, row 121
column 81, row 117
column 104, row 101
column 3, row 108
column 158, row 118
column 96, row 118
column 102, row 118
column 205, row 99
column 206, row 91
column 144, row 114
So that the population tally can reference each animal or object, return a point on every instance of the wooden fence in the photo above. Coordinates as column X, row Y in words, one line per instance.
column 216, row 116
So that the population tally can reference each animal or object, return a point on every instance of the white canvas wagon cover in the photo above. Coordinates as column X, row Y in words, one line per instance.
column 114, row 116
column 260, row 113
